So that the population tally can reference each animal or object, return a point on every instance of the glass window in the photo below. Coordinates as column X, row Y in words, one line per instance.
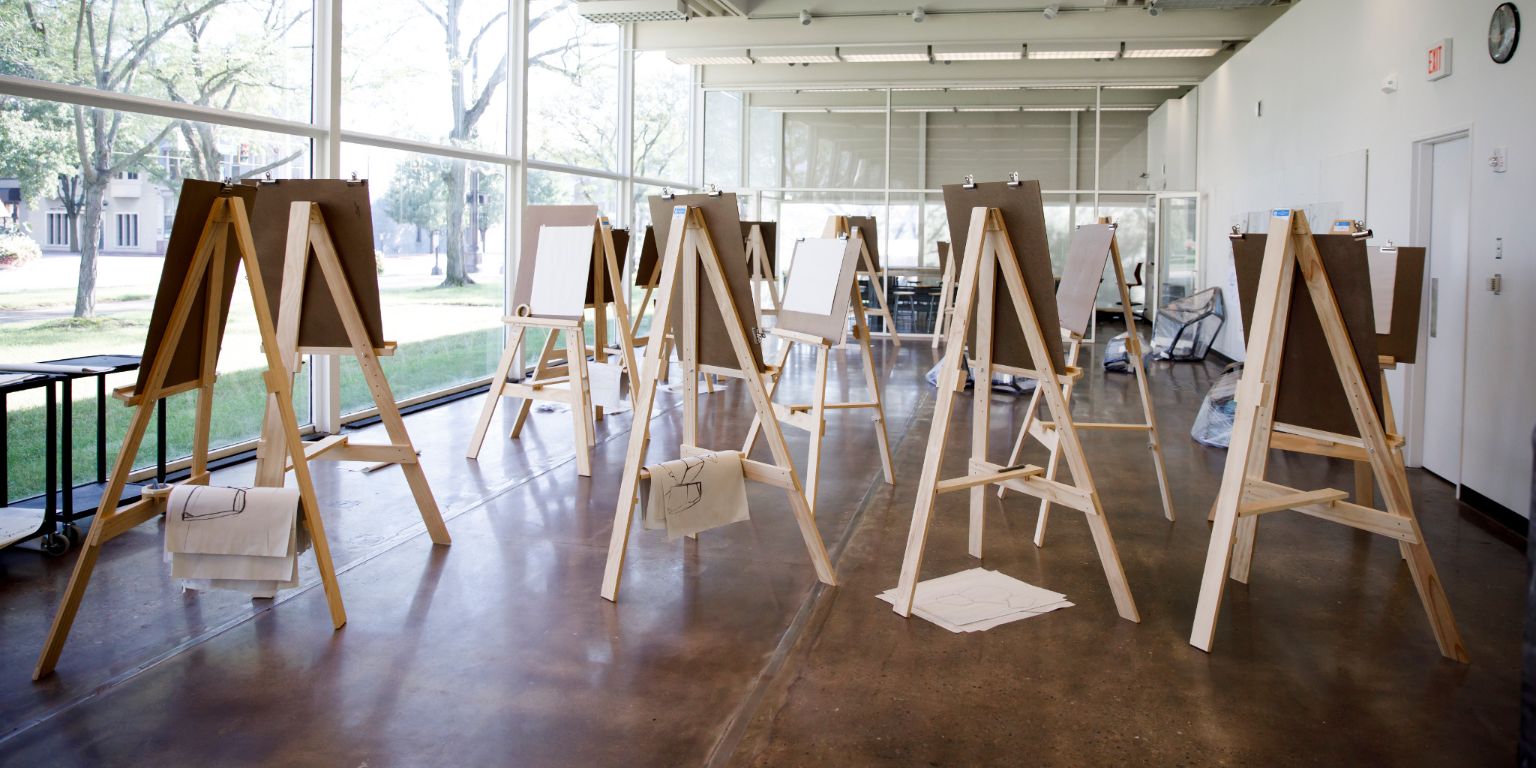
column 552, row 188
column 1135, row 216
column 663, row 91
column 1123, row 151
column 766, row 138
column 573, row 87
column 93, row 294
column 906, row 160
column 1035, row 144
column 441, row 258
column 185, row 40
column 834, row 149
column 722, row 139
column 433, row 70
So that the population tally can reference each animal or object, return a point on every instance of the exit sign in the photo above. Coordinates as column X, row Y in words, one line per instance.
column 1438, row 63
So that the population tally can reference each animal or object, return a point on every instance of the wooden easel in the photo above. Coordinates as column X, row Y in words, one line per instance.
column 945, row 312
column 838, row 226
column 689, row 255
column 310, row 243
column 1074, row 337
column 988, row 250
column 203, row 283
column 1245, row 494
column 547, row 381
column 811, row 416
column 759, row 260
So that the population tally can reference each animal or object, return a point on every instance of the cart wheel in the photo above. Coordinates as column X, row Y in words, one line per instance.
column 55, row 544
column 74, row 534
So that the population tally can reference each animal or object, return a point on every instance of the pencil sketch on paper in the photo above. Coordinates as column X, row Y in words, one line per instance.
column 687, row 486
column 195, row 507
column 696, row 493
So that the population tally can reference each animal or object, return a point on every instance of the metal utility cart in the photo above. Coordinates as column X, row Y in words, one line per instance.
column 53, row 515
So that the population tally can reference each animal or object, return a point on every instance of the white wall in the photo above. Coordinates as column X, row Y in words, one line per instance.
column 1318, row 70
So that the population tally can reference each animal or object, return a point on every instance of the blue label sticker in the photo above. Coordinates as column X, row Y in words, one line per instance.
column 676, row 209
column 603, row 220
column 1281, row 212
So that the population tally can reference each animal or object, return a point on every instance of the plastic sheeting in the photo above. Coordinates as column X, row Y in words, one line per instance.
column 1185, row 329
column 1213, row 423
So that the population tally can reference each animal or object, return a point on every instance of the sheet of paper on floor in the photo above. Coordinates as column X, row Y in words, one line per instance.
column 978, row 599
column 696, row 493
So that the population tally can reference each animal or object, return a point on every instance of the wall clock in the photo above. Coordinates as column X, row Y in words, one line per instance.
column 1503, row 32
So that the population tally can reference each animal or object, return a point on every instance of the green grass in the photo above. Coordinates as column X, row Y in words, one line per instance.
column 64, row 299
column 476, row 295
column 239, row 399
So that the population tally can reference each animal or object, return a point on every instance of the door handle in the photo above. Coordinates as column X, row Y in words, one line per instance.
column 1434, row 305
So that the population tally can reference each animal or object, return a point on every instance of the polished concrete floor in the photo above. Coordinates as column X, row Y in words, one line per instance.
column 725, row 651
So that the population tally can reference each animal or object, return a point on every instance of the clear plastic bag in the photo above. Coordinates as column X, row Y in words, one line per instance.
column 1115, row 357
column 1185, row 329
column 1213, row 423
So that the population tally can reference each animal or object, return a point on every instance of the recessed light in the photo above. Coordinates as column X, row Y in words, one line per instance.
column 884, row 54
column 1049, row 51
column 982, row 52
column 1171, row 51
column 710, row 56
column 819, row 55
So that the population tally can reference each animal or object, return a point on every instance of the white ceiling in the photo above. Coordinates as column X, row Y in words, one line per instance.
column 766, row 26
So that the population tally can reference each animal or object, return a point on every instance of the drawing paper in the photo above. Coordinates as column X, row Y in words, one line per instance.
column 562, row 262
column 233, row 538
column 604, row 380
column 1383, row 268
column 696, row 493
column 814, row 276
column 1087, row 256
column 978, row 599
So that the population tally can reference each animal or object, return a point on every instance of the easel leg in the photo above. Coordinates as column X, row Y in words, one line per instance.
column 819, row 418
column 946, row 285
column 773, row 388
column 539, row 371
column 1045, row 504
column 981, row 397
column 582, row 433
column 1018, row 444
column 493, row 395
column 872, row 382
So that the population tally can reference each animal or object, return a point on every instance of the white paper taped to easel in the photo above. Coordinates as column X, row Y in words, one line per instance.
column 605, row 382
column 814, row 275
column 1382, row 265
column 563, row 261
column 244, row 539
column 696, row 493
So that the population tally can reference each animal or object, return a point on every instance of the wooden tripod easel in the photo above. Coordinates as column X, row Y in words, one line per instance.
column 1042, row 430
column 811, row 416
column 759, row 260
column 988, row 250
column 1245, row 493
column 690, row 251
column 205, row 278
column 545, row 385
column 838, row 226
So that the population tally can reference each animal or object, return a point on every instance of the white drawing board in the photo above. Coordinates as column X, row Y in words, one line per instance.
column 819, row 288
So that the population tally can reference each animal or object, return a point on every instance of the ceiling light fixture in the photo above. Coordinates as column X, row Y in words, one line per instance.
column 706, row 56
column 1184, row 50
column 986, row 109
column 1050, row 11
column 1140, row 87
column 629, row 11
column 884, row 54
column 817, row 55
column 984, row 52
column 1045, row 51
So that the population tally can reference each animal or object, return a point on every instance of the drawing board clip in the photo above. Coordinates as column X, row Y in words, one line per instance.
column 1236, row 233
column 666, row 193
column 353, row 180
column 969, row 183
column 1013, row 179
column 1390, row 247
column 712, row 190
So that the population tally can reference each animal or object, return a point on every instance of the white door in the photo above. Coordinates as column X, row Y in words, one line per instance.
column 1445, row 368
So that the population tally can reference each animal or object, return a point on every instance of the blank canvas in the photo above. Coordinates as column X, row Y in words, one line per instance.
column 560, row 269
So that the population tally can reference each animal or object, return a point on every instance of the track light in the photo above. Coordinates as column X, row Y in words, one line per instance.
column 805, row 18
column 1152, row 9
column 918, row 15
column 1050, row 11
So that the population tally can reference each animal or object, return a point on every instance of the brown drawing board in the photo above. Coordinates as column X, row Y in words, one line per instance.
column 770, row 230
column 871, row 235
column 620, row 252
column 648, row 271
column 191, row 215
column 1087, row 256
column 829, row 326
column 536, row 216
column 1024, row 221
column 1401, row 342
column 348, row 216
column 724, row 226
column 1311, row 394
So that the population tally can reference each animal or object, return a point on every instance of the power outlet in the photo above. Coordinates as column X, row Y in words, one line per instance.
column 1499, row 160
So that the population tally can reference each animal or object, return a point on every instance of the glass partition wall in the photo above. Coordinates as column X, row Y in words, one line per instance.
column 456, row 113
column 799, row 155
